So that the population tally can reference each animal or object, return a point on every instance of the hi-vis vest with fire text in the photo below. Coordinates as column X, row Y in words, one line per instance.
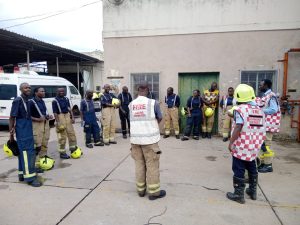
column 144, row 128
column 252, row 135
column 273, row 120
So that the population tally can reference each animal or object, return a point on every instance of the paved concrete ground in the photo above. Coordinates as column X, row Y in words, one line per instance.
column 99, row 188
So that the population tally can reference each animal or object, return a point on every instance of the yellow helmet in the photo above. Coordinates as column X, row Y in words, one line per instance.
column 46, row 163
column 244, row 93
column 183, row 111
column 11, row 148
column 76, row 154
column 230, row 111
column 115, row 101
column 208, row 112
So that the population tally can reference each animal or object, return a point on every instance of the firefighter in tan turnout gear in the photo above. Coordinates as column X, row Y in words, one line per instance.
column 41, row 130
column 145, row 115
column 64, row 125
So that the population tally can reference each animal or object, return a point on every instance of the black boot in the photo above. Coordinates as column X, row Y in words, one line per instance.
column 251, row 191
column 204, row 134
column 239, row 187
column 209, row 135
column 267, row 168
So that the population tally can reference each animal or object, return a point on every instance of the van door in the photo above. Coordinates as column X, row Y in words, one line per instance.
column 75, row 99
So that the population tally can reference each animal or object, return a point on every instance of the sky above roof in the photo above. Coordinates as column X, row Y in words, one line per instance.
column 72, row 24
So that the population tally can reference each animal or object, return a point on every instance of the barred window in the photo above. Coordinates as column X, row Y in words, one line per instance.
column 253, row 78
column 151, row 78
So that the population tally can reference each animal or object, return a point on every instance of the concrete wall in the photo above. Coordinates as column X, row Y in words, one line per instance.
column 165, row 17
column 227, row 53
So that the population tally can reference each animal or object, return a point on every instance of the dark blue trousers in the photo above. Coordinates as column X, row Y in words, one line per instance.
column 92, row 129
column 193, row 123
column 239, row 166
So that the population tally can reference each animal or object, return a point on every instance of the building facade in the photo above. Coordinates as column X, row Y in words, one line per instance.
column 187, row 44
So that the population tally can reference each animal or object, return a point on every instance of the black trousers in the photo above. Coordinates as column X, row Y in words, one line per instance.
column 124, row 117
column 239, row 166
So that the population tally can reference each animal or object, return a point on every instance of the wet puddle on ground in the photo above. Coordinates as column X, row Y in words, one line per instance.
column 61, row 165
column 211, row 158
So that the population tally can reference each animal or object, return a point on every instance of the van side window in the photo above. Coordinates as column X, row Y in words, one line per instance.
column 73, row 90
column 50, row 91
column 8, row 91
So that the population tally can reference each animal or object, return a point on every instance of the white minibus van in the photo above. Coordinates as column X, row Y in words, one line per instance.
column 9, row 89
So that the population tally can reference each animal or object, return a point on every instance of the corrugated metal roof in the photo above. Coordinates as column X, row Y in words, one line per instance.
column 13, row 49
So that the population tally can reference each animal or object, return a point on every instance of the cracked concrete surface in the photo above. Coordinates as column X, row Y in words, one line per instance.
column 99, row 188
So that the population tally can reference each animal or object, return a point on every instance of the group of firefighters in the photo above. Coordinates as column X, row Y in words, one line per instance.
column 254, row 121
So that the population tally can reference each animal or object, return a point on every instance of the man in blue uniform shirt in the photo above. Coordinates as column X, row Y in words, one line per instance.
column 172, row 102
column 64, row 120
column 89, row 120
column 125, row 99
column 20, row 123
column 40, row 123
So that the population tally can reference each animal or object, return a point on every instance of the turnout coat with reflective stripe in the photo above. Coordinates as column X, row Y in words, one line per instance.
column 273, row 120
column 144, row 128
column 252, row 135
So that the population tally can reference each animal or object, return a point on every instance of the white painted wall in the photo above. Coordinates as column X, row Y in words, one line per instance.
column 165, row 17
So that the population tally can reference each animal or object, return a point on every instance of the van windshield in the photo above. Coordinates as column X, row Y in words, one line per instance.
column 8, row 91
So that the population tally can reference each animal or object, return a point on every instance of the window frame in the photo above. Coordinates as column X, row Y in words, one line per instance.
column 274, row 80
column 152, row 74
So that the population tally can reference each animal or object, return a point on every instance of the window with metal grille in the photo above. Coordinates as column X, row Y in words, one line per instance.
column 253, row 78
column 152, row 79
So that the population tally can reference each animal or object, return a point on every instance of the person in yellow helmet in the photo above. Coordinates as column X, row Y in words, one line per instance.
column 247, row 136
column 210, row 98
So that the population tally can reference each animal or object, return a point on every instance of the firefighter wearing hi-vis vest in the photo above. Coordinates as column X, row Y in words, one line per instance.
column 210, row 98
column 20, row 123
column 226, row 104
column 41, row 130
column 269, row 104
column 89, row 121
column 247, row 136
column 145, row 115
column 108, row 119
column 64, row 125
column 172, row 102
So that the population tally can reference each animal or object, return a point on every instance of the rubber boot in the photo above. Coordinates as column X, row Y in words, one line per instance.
column 208, row 135
column 267, row 168
column 251, row 191
column 204, row 135
column 160, row 194
column 239, row 188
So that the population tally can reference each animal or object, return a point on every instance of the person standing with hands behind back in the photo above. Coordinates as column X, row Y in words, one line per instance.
column 125, row 99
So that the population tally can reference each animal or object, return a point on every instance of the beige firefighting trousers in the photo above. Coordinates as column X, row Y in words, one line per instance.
column 207, row 123
column 64, row 130
column 227, row 121
column 41, row 134
column 147, row 167
column 171, row 114
column 108, row 122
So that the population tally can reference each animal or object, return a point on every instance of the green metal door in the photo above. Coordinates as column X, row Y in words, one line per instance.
column 191, row 81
